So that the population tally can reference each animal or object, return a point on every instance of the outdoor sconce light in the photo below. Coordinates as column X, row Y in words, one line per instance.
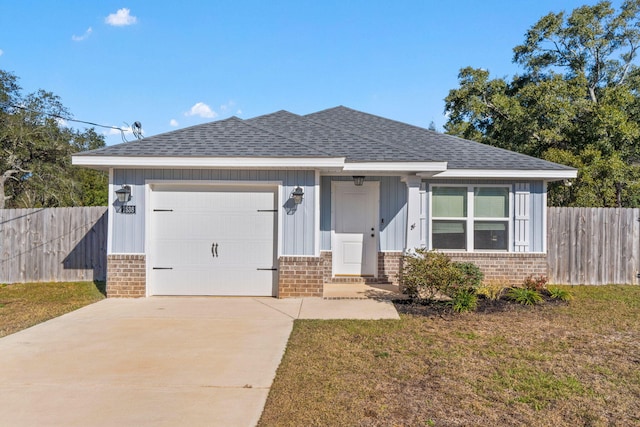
column 124, row 194
column 358, row 180
column 297, row 195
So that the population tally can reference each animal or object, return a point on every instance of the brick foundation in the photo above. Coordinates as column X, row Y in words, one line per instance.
column 126, row 276
column 511, row 268
column 300, row 277
column 389, row 267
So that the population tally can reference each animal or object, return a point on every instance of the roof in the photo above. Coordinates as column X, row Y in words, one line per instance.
column 338, row 137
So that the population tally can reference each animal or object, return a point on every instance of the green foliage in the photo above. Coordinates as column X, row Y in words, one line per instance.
column 537, row 284
column 560, row 294
column 524, row 296
column 472, row 274
column 430, row 275
column 464, row 300
column 492, row 290
column 577, row 103
column 35, row 166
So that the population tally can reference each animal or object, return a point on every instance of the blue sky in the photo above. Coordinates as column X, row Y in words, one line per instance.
column 170, row 65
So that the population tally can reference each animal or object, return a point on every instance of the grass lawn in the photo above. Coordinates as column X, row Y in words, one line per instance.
column 575, row 364
column 25, row 304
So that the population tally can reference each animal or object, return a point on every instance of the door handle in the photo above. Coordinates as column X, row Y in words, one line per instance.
column 214, row 250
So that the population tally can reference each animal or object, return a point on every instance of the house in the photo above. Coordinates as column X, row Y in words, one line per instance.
column 281, row 204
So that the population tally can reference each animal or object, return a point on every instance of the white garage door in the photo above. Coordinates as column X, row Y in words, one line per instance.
column 212, row 241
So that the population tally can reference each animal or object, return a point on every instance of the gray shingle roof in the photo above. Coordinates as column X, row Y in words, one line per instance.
column 336, row 132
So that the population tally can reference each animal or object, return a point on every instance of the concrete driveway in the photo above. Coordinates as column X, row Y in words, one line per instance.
column 156, row 361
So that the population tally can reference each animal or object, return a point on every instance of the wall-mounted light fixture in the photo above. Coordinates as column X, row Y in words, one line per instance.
column 358, row 180
column 124, row 194
column 297, row 195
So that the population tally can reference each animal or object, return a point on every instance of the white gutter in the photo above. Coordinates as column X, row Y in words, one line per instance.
column 556, row 174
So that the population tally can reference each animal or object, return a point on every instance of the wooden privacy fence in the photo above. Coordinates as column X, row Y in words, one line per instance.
column 53, row 244
column 593, row 246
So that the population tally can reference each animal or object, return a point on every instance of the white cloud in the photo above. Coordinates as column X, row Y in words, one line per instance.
column 173, row 122
column 1, row 52
column 82, row 37
column 201, row 109
column 121, row 18
column 62, row 122
column 239, row 113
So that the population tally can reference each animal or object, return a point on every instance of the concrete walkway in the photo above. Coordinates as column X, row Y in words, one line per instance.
column 157, row 361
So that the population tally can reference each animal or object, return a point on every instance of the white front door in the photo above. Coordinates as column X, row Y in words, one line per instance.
column 354, row 234
column 212, row 241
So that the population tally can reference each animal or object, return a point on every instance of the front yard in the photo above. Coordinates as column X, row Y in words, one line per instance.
column 550, row 365
column 25, row 304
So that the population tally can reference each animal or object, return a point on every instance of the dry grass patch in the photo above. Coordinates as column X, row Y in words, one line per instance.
column 25, row 304
column 550, row 365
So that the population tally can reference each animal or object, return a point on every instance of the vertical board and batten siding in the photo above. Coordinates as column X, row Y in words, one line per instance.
column 53, row 244
column 297, row 229
column 529, row 206
column 393, row 211
column 593, row 246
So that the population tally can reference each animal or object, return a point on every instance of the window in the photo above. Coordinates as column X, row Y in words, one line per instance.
column 470, row 217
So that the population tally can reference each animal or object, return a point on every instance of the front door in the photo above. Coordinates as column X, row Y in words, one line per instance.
column 354, row 235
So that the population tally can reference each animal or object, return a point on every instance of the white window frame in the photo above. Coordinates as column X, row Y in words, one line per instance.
column 470, row 219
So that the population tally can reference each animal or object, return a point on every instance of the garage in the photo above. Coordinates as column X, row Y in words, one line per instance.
column 212, row 240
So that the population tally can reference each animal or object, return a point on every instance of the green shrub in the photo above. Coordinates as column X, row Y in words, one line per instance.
column 464, row 300
column 492, row 290
column 432, row 275
column 538, row 284
column 428, row 274
column 524, row 296
column 560, row 294
column 472, row 274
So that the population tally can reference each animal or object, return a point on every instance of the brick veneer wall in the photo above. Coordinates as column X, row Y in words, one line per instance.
column 126, row 276
column 389, row 267
column 300, row 277
column 511, row 268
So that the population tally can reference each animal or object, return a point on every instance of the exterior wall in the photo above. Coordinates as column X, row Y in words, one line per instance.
column 537, row 207
column 126, row 276
column 128, row 231
column 300, row 277
column 511, row 268
column 392, row 214
column 389, row 267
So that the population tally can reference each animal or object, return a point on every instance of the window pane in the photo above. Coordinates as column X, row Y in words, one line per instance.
column 491, row 202
column 490, row 235
column 449, row 235
column 449, row 202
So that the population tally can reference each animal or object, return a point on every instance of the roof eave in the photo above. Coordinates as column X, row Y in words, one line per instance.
column 413, row 167
column 544, row 174
column 105, row 162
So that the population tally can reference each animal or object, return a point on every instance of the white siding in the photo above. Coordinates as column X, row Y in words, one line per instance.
column 297, row 228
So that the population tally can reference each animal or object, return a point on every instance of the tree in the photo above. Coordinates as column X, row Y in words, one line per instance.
column 35, row 166
column 577, row 102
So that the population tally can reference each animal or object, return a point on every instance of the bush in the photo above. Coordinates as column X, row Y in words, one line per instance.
column 432, row 275
column 473, row 274
column 525, row 296
column 537, row 284
column 492, row 290
column 560, row 294
column 464, row 300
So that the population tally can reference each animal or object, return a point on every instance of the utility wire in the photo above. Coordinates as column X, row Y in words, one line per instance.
column 136, row 128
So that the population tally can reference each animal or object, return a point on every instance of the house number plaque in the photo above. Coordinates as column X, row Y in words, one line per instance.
column 128, row 209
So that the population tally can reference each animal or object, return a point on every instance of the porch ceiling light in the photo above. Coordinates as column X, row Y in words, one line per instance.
column 358, row 180
column 124, row 194
column 297, row 195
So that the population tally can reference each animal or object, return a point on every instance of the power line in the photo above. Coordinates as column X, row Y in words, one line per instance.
column 136, row 128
